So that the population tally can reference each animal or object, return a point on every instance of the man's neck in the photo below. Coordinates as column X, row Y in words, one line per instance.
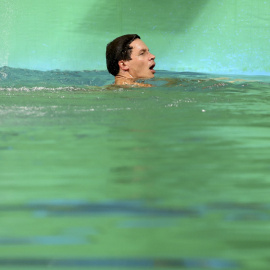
column 122, row 80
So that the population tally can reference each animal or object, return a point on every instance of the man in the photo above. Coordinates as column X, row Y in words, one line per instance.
column 129, row 59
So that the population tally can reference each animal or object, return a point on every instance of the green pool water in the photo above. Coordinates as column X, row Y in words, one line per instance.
column 170, row 177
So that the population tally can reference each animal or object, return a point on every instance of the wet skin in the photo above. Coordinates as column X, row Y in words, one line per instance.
column 141, row 66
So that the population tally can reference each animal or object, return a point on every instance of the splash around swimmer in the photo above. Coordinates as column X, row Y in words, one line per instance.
column 129, row 59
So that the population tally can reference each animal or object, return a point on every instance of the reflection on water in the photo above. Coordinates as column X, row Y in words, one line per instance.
column 25, row 79
column 174, row 176
column 121, row 263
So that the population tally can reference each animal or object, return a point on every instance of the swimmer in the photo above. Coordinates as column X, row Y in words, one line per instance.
column 129, row 59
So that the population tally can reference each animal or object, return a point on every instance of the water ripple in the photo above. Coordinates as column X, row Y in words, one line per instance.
column 121, row 263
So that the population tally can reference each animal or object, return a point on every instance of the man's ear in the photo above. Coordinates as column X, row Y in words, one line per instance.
column 123, row 65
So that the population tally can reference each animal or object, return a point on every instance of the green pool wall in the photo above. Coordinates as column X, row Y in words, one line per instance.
column 214, row 36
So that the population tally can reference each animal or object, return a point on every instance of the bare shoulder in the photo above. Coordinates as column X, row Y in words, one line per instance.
column 143, row 84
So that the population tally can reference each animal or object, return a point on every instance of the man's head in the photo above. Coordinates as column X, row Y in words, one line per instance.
column 128, row 56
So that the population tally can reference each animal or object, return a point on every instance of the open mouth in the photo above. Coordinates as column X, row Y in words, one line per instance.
column 152, row 68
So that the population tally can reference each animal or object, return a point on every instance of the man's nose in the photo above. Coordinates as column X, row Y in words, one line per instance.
column 151, row 56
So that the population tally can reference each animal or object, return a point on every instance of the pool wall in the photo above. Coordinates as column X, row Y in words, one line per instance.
column 215, row 36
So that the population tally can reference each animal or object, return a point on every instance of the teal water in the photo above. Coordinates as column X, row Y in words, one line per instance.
column 170, row 177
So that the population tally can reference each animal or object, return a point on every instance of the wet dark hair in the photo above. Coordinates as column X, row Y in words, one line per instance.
column 117, row 50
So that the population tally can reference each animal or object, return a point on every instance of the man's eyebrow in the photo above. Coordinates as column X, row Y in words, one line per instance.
column 143, row 50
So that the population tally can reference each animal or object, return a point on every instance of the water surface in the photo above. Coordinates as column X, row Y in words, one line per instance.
column 170, row 177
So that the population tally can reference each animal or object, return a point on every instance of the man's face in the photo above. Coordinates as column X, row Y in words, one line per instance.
column 142, row 61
